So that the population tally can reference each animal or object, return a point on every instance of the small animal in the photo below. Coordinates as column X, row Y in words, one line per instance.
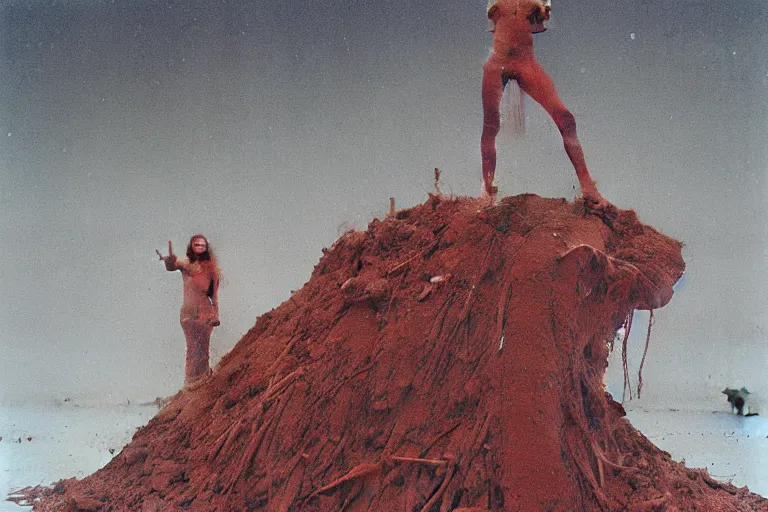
column 738, row 399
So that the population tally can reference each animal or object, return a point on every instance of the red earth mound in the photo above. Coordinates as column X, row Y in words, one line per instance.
column 448, row 358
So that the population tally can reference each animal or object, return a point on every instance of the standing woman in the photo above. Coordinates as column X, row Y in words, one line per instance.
column 514, row 23
column 200, row 309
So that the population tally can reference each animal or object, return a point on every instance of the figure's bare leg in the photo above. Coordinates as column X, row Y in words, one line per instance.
column 198, row 336
column 539, row 86
column 492, row 88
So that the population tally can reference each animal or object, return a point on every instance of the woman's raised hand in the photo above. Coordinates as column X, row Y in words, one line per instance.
column 170, row 251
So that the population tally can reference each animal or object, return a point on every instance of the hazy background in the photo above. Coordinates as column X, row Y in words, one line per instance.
column 272, row 127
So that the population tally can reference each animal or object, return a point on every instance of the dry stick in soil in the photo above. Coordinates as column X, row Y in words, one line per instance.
column 358, row 471
column 431, row 462
column 578, row 416
column 411, row 258
column 501, row 314
column 227, row 438
column 468, row 301
column 336, row 451
column 441, row 362
column 587, row 473
column 335, row 391
column 465, row 309
column 278, row 389
column 253, row 447
column 275, row 365
column 422, row 379
column 438, row 495
column 438, row 437
column 581, row 422
column 428, row 462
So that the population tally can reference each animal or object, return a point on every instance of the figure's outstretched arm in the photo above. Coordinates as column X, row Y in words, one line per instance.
column 171, row 261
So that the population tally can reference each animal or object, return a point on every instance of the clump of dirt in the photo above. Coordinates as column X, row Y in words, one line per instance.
column 448, row 358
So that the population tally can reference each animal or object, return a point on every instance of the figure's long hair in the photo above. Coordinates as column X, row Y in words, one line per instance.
column 207, row 256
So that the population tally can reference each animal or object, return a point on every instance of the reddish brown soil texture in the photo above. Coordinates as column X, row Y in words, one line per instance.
column 373, row 388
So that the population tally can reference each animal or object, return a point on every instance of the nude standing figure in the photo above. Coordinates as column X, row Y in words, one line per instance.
column 200, row 309
column 512, row 58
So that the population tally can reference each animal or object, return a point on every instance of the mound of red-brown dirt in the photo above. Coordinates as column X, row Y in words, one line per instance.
column 448, row 358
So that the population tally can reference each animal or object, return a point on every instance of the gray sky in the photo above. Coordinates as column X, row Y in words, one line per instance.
column 272, row 127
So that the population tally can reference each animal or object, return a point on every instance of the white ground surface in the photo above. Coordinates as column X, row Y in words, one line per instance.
column 71, row 441
column 66, row 441
column 733, row 448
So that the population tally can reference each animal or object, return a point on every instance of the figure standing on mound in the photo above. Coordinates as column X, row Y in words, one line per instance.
column 200, row 309
column 514, row 23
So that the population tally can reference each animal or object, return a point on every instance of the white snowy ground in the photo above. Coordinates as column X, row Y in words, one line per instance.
column 70, row 441
column 66, row 441
column 733, row 448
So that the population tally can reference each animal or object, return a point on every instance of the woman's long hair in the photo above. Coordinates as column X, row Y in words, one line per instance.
column 207, row 256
